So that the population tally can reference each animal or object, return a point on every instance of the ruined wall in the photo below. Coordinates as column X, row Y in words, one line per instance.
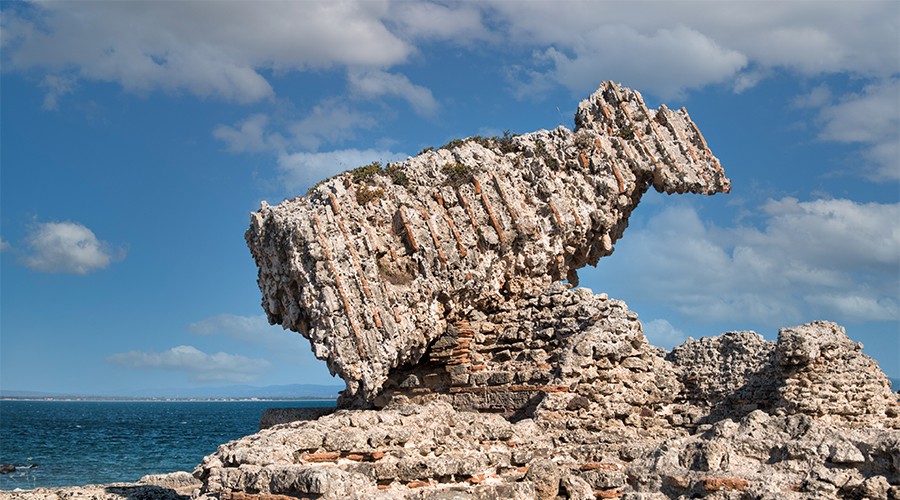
column 432, row 287
column 620, row 426
column 566, row 351
column 372, row 266
column 812, row 369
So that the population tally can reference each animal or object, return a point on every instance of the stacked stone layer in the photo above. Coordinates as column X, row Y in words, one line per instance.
column 372, row 271
column 433, row 288
column 611, row 433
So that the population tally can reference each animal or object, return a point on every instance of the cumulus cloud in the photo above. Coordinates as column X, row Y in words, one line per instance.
column 460, row 23
column 252, row 329
column 301, row 170
column 223, row 50
column 241, row 327
column 200, row 366
column 660, row 332
column 328, row 122
column 834, row 259
column 209, row 49
column 247, row 136
column 678, row 46
column 67, row 247
column 870, row 118
column 686, row 57
column 376, row 83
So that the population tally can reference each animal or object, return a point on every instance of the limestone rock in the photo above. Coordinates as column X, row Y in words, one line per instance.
column 173, row 486
column 596, row 439
column 813, row 369
column 275, row 416
column 375, row 265
column 433, row 288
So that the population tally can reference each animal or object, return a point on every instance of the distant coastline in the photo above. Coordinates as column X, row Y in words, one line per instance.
column 291, row 392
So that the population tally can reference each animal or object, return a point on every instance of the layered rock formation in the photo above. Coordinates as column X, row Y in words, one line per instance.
column 374, row 265
column 433, row 288
column 715, row 418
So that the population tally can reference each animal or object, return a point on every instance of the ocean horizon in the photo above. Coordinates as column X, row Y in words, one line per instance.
column 72, row 443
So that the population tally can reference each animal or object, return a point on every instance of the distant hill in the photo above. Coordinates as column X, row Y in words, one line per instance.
column 291, row 391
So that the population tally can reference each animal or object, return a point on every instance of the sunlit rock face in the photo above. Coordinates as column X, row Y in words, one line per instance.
column 442, row 290
column 375, row 265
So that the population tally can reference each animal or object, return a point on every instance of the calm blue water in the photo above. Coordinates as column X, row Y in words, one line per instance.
column 75, row 443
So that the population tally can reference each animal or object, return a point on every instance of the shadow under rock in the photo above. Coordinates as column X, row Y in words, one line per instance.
column 146, row 492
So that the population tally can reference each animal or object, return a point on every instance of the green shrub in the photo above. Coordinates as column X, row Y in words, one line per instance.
column 453, row 144
column 366, row 194
column 506, row 143
column 365, row 174
column 457, row 173
column 397, row 175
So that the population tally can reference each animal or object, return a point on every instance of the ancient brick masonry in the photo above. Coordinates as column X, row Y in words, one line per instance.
column 373, row 269
column 433, row 287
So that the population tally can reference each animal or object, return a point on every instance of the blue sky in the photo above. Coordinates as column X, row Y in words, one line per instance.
column 137, row 137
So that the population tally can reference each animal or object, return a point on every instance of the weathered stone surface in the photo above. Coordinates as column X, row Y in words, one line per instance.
column 373, row 266
column 813, row 369
column 423, row 447
column 438, row 299
column 275, row 416
column 173, row 486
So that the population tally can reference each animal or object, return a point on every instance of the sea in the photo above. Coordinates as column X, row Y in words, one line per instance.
column 72, row 443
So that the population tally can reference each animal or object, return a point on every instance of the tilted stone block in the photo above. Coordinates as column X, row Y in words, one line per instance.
column 374, row 265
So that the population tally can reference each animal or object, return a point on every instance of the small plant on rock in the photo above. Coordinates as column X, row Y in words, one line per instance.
column 457, row 173
column 365, row 174
column 398, row 176
column 366, row 194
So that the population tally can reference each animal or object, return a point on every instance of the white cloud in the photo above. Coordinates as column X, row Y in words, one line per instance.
column 818, row 97
column 660, row 332
column 210, row 49
column 301, row 170
column 686, row 57
column 330, row 121
column 375, row 83
column 56, row 86
column 67, row 247
column 872, row 119
column 241, row 327
column 678, row 46
column 253, row 329
column 248, row 136
column 200, row 366
column 830, row 259
column 224, row 49
column 4, row 245
column 461, row 23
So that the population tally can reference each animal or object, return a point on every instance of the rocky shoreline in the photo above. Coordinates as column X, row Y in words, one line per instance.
column 173, row 486
column 442, row 289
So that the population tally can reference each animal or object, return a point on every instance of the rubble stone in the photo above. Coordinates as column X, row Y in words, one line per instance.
column 468, row 229
column 473, row 371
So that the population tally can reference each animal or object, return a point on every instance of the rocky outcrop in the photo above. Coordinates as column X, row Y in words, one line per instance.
column 173, row 486
column 714, row 418
column 275, row 416
column 434, row 288
column 814, row 369
column 375, row 264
